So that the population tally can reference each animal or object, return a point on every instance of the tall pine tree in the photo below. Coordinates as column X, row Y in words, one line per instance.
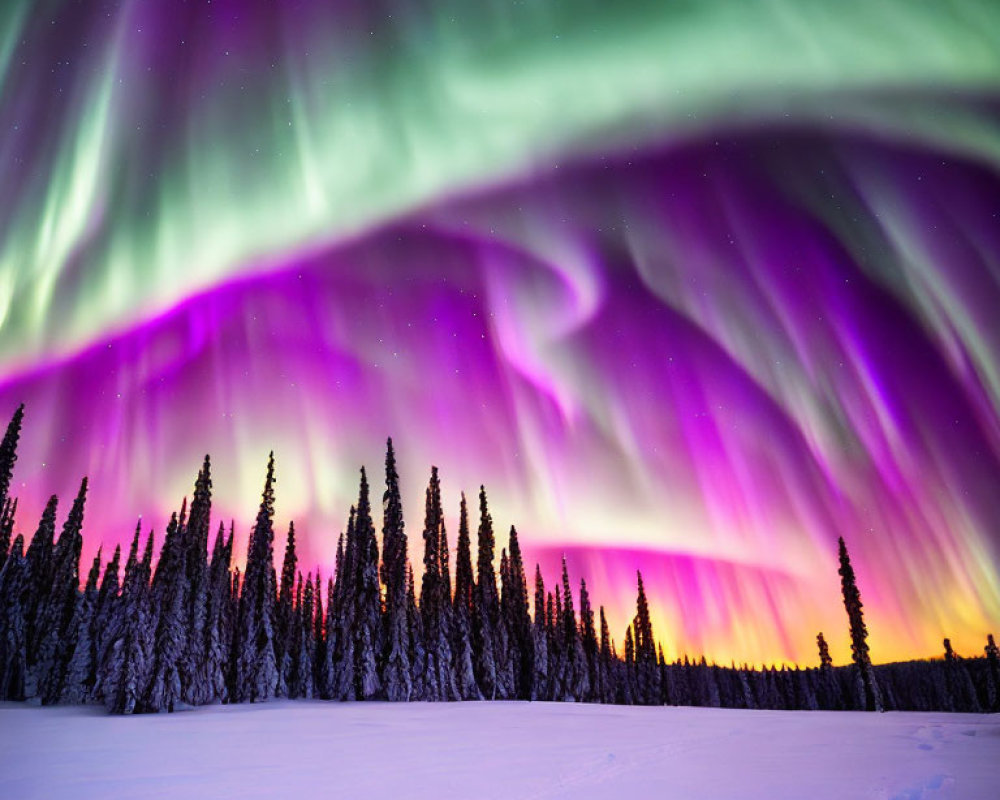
column 396, row 676
column 871, row 696
column 367, row 627
column 486, row 605
column 256, row 668
column 8, row 452
column 435, row 603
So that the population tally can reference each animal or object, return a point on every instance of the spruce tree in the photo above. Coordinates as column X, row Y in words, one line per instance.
column 574, row 680
column 486, row 605
column 435, row 604
column 825, row 661
column 104, row 616
column 519, row 622
column 307, row 643
column 7, row 528
column 993, row 674
column 41, row 569
column 218, row 624
column 8, row 452
column 257, row 670
column 539, row 641
column 127, row 668
column 169, row 586
column 340, row 617
column 14, row 590
column 588, row 638
column 869, row 689
column 828, row 690
column 462, row 608
column 647, row 688
column 81, row 671
column 196, row 674
column 395, row 658
column 961, row 690
column 286, row 631
column 503, row 640
column 554, row 637
column 605, row 675
column 367, row 621
column 55, row 615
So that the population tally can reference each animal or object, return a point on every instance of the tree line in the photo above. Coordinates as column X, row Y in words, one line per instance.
column 188, row 628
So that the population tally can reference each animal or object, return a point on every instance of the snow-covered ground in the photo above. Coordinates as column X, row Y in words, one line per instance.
column 495, row 750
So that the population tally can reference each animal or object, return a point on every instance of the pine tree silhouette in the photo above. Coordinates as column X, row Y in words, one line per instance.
column 15, row 586
column 486, row 607
column 870, row 694
column 396, row 672
column 256, row 668
column 519, row 621
column 196, row 681
column 435, row 604
column 7, row 527
column 8, row 453
column 367, row 631
column 462, row 611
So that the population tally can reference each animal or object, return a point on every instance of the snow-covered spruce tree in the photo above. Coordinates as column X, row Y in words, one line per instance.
column 293, row 682
column 326, row 686
column 395, row 656
column 646, row 674
column 435, row 603
column 519, row 622
column 257, row 670
column 81, row 670
column 104, row 615
column 167, row 593
column 340, row 618
column 575, row 682
column 503, row 644
column 196, row 681
column 218, row 625
column 127, row 668
column 462, row 610
column 8, row 453
column 306, row 649
column 588, row 638
column 486, row 606
column 417, row 649
column 539, row 642
column 41, row 569
column 7, row 527
column 554, row 639
column 661, row 669
column 319, row 637
column 871, row 698
column 627, row 691
column 367, row 631
column 56, row 616
column 605, row 691
column 14, row 588
column 343, row 614
column 286, row 630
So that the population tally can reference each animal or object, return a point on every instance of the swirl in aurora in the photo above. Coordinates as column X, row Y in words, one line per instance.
column 694, row 288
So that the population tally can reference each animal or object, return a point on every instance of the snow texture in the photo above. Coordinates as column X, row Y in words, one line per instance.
column 518, row 750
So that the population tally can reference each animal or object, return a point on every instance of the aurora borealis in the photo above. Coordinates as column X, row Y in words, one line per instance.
column 691, row 287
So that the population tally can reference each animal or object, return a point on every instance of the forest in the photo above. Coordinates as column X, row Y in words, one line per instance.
column 182, row 626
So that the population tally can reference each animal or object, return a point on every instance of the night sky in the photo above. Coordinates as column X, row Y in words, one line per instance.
column 692, row 287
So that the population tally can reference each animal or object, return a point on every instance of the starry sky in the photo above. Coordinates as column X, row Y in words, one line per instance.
column 694, row 288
